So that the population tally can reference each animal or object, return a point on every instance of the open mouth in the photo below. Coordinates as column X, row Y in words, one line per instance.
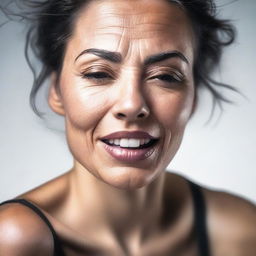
column 130, row 146
column 131, row 143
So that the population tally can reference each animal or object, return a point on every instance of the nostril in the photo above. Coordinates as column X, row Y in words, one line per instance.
column 141, row 115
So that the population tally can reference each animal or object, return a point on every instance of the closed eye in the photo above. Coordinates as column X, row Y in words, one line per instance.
column 96, row 75
column 168, row 78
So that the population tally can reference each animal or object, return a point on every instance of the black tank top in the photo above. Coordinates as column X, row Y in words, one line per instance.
column 199, row 221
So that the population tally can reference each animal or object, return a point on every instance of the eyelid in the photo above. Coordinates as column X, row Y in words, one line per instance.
column 98, row 69
column 165, row 71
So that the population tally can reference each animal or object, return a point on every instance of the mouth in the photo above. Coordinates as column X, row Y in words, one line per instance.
column 131, row 143
column 130, row 146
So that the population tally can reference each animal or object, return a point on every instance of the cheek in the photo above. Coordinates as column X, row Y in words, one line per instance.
column 84, row 107
column 173, row 110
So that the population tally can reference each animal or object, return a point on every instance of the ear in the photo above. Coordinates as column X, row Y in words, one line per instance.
column 54, row 97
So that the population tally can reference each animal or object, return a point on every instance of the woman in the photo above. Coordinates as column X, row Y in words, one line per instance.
column 125, row 74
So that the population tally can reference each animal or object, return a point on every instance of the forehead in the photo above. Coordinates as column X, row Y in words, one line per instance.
column 122, row 25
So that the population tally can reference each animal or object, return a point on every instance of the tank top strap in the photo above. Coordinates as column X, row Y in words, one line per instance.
column 200, row 217
column 58, row 251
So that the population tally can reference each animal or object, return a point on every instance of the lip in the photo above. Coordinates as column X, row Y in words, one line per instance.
column 128, row 154
column 128, row 135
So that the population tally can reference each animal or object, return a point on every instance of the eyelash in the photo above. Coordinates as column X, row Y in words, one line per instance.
column 101, row 77
column 98, row 76
column 168, row 78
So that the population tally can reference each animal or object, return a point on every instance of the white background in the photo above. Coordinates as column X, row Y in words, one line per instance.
column 219, row 155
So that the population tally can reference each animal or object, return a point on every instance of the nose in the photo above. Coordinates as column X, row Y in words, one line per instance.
column 131, row 103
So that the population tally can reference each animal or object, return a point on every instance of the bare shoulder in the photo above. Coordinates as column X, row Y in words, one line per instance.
column 51, row 195
column 231, row 224
column 22, row 232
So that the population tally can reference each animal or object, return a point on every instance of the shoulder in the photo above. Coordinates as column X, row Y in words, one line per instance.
column 231, row 224
column 22, row 232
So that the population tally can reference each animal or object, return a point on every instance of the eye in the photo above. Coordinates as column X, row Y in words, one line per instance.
column 97, row 76
column 168, row 78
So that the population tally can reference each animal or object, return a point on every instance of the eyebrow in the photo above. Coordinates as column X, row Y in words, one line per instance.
column 164, row 56
column 117, row 58
column 107, row 55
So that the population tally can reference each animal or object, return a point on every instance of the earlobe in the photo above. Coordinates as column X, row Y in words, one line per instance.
column 54, row 97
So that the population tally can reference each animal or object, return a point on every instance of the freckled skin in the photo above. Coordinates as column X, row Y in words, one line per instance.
column 90, row 109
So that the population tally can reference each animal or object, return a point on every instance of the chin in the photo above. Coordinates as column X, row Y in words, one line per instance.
column 128, row 178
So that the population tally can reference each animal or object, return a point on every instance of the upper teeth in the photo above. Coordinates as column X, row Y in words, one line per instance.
column 129, row 143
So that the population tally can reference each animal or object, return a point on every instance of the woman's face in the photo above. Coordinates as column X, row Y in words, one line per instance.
column 127, row 80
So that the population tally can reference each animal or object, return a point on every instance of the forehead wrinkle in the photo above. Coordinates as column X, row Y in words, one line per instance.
column 108, row 22
column 133, row 21
column 134, row 30
column 143, row 30
column 128, row 16
column 134, row 7
column 116, row 15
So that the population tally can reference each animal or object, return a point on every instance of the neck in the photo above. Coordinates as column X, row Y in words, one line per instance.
column 123, row 213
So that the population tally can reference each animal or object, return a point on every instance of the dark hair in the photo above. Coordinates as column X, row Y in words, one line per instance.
column 52, row 24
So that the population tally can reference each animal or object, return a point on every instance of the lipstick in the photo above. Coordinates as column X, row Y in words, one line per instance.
column 130, row 146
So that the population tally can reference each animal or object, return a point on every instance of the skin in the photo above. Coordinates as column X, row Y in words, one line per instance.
column 109, row 207
column 91, row 107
